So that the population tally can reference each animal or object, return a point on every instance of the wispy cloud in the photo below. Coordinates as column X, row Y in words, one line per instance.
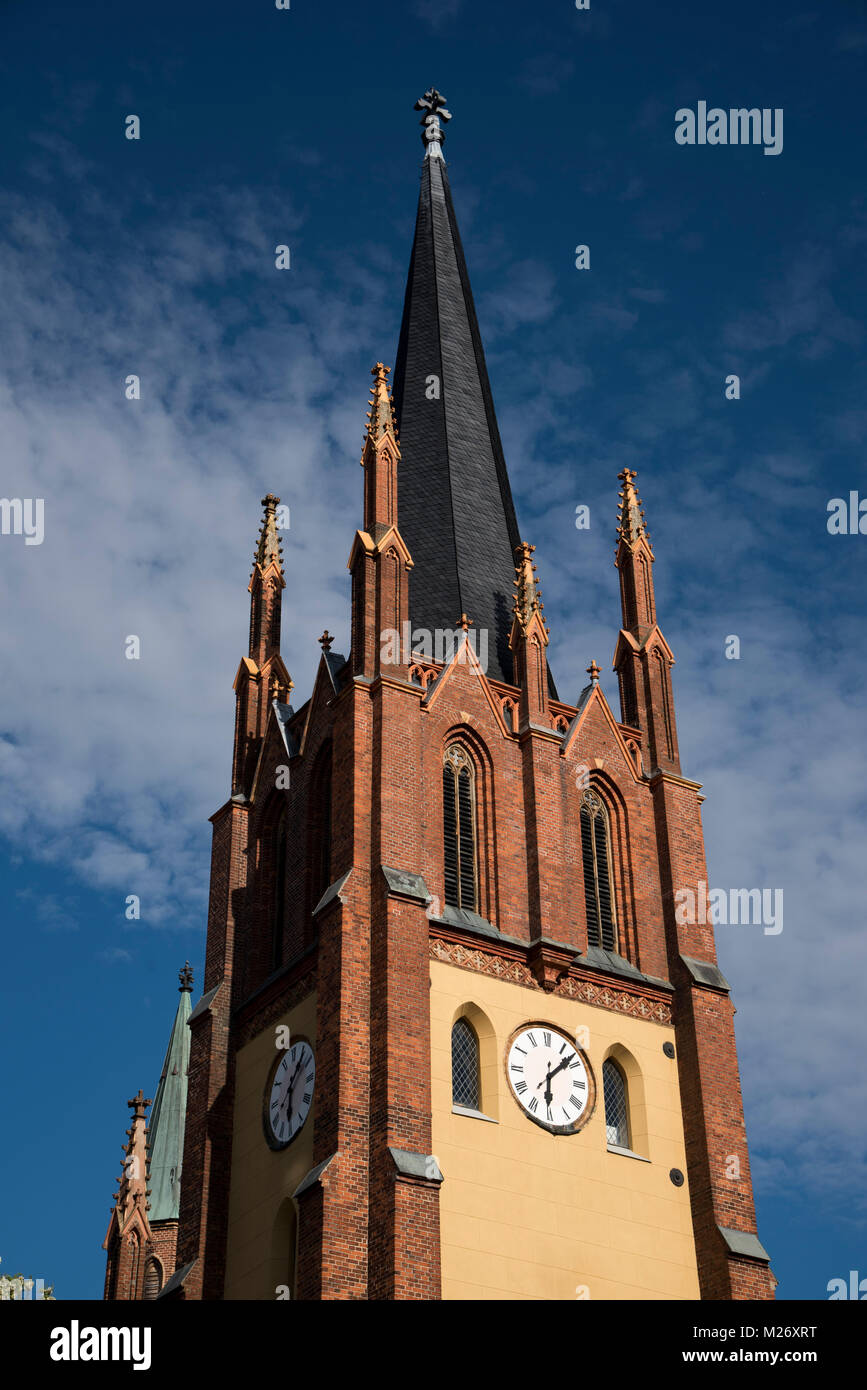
column 152, row 509
column 545, row 74
column 438, row 13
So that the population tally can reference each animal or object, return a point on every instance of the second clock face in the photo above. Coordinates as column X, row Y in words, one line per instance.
column 290, row 1096
column 550, row 1078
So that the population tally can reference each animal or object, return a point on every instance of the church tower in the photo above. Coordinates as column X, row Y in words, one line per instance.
column 143, row 1231
column 454, row 1040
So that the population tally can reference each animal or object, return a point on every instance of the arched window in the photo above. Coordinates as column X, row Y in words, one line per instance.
column 465, row 1065
column 319, row 827
column 616, row 1114
column 134, row 1257
column 459, row 828
column 114, row 1263
column 596, row 853
column 278, row 918
column 284, row 1237
column 153, row 1279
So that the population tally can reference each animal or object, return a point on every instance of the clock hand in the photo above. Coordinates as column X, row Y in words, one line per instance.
column 564, row 1063
column 549, row 1096
column 288, row 1092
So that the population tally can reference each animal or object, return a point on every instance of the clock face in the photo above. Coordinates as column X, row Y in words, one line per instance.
column 550, row 1078
column 290, row 1095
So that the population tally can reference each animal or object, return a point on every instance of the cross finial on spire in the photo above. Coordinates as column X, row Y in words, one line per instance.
column 325, row 640
column 138, row 1105
column 465, row 623
column 593, row 673
column 186, row 978
column 433, row 105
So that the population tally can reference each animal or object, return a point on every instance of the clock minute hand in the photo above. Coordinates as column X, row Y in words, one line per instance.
column 561, row 1065
column 288, row 1091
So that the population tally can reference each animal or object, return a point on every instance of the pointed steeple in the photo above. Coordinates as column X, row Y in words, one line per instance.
column 379, row 561
column 456, row 510
column 262, row 677
column 266, row 586
column 634, row 559
column 630, row 524
column 643, row 659
column 380, row 458
column 529, row 595
column 380, row 417
column 166, row 1128
column 529, row 640
column 133, row 1185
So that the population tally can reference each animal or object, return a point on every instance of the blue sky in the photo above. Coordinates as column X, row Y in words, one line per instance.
column 156, row 257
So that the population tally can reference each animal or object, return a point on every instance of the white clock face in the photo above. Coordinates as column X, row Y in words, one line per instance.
column 288, row 1102
column 550, row 1078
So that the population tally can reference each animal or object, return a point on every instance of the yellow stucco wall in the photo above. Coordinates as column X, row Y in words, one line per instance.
column 264, row 1179
column 529, row 1215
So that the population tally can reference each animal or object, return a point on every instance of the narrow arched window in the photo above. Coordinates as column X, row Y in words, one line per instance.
column 319, row 827
column 114, row 1263
column 616, row 1114
column 283, row 1242
column 459, row 828
column 465, row 1065
column 278, row 919
column 134, row 1258
column 153, row 1279
column 596, row 854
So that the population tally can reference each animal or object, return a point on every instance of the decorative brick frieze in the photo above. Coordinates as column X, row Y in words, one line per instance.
column 510, row 964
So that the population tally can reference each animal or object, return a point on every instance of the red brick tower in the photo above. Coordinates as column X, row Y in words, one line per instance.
column 729, row 1265
column 432, row 825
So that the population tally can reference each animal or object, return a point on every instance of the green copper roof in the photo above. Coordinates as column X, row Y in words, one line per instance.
column 166, row 1128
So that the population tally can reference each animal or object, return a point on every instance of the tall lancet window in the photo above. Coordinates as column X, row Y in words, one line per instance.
column 616, row 1112
column 278, row 916
column 319, row 828
column 465, row 1065
column 153, row 1280
column 596, row 853
column 459, row 828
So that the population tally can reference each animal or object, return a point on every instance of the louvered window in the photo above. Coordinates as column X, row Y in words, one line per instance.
column 278, row 919
column 153, row 1279
column 616, row 1118
column 459, row 829
column 596, row 854
column 465, row 1065
column 319, row 828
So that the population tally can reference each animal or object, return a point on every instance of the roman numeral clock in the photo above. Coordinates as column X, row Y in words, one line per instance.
column 289, row 1095
column 550, row 1078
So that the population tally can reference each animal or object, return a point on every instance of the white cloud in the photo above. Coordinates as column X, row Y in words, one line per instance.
column 151, row 516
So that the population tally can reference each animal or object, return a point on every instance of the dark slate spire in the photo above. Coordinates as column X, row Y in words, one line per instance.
column 456, row 511
column 166, row 1128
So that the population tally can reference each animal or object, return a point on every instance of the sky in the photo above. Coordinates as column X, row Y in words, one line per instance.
column 156, row 258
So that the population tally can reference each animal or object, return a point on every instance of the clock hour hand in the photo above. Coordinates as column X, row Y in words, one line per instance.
column 546, row 1082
